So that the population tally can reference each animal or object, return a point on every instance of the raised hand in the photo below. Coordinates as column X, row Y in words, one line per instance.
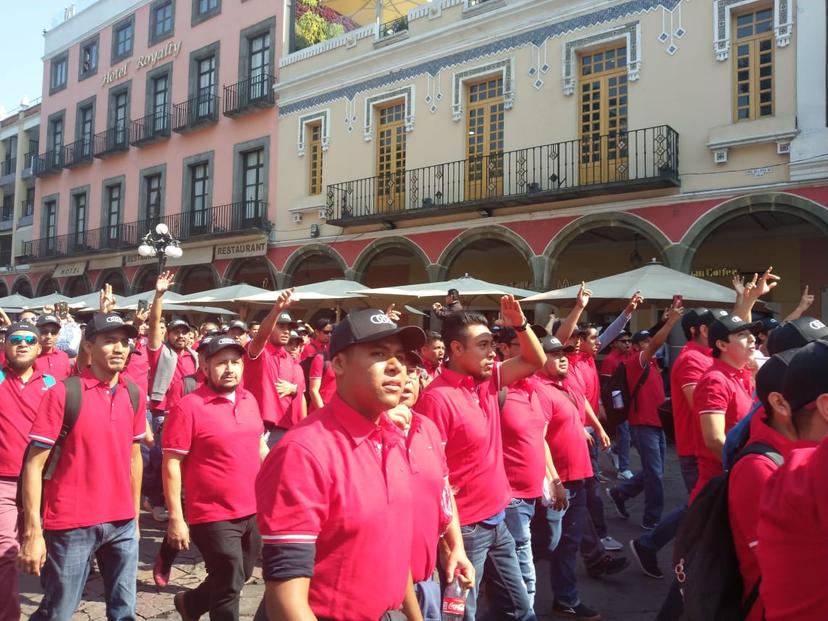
column 582, row 299
column 392, row 313
column 764, row 284
column 284, row 300
column 511, row 311
column 805, row 301
column 107, row 301
column 163, row 283
column 635, row 300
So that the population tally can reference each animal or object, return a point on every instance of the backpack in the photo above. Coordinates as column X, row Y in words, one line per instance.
column 306, row 368
column 617, row 412
column 189, row 384
column 706, row 565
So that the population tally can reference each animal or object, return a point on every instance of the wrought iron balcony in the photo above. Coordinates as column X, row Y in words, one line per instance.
column 629, row 161
column 48, row 163
column 151, row 128
column 221, row 220
column 30, row 161
column 79, row 152
column 251, row 94
column 389, row 29
column 113, row 140
column 193, row 113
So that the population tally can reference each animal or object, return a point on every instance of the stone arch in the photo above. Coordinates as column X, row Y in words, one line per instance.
column 379, row 246
column 47, row 286
column 76, row 286
column 4, row 289
column 23, row 286
column 494, row 232
column 114, row 277
column 187, row 278
column 144, row 279
column 239, row 265
column 811, row 212
column 305, row 252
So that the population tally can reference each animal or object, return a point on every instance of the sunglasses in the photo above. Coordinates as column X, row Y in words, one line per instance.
column 16, row 339
column 327, row 331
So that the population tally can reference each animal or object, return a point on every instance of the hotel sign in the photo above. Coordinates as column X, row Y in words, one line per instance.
column 241, row 250
column 69, row 269
column 148, row 60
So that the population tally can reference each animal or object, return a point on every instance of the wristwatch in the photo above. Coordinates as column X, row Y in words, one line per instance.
column 522, row 327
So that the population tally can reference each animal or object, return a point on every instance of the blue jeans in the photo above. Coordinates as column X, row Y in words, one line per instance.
column 152, row 485
column 64, row 575
column 519, row 514
column 668, row 526
column 650, row 444
column 492, row 548
column 595, row 505
column 563, row 560
column 622, row 446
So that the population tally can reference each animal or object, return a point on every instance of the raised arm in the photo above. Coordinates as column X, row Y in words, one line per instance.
column 804, row 304
column 673, row 315
column 568, row 325
column 531, row 356
column 162, row 284
column 754, row 290
column 617, row 326
column 258, row 343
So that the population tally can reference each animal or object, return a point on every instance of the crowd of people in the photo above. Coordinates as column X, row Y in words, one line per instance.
column 367, row 465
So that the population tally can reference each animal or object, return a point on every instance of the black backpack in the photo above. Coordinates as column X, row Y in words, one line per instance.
column 617, row 414
column 189, row 383
column 306, row 368
column 706, row 565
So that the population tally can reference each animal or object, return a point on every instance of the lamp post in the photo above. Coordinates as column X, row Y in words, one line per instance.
column 161, row 244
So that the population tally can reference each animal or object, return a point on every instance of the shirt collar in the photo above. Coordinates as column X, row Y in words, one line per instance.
column 359, row 427
column 89, row 380
column 700, row 348
column 281, row 352
column 211, row 395
column 9, row 372
column 457, row 380
column 727, row 369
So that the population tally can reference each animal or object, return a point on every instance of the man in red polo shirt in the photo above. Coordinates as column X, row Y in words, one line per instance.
column 619, row 352
column 432, row 354
column 463, row 403
column 322, row 329
column 212, row 443
column 334, row 498
column 792, row 550
column 22, row 388
column 321, row 381
column 272, row 375
column 91, row 500
column 51, row 361
column 722, row 396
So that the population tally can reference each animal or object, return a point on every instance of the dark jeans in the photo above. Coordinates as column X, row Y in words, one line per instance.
column 650, row 444
column 152, row 485
column 622, row 446
column 64, row 575
column 564, row 558
column 491, row 549
column 230, row 550
column 668, row 526
column 595, row 505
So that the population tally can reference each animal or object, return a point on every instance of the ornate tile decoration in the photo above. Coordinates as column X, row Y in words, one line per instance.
column 539, row 66
column 350, row 114
column 631, row 32
column 406, row 94
column 406, row 74
column 671, row 28
column 504, row 68
column 434, row 91
column 323, row 116
column 782, row 24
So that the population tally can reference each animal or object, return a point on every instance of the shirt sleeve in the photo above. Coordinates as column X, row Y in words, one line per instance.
column 613, row 330
column 317, row 367
column 689, row 372
column 430, row 406
column 49, row 417
column 153, row 356
column 179, row 429
column 711, row 395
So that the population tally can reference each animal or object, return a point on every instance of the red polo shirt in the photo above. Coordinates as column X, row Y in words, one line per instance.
column 793, row 548
column 611, row 362
column 574, row 384
column 690, row 365
column 313, row 348
column 468, row 417
column 55, row 363
column 722, row 388
column 588, row 374
column 343, row 484
column 260, row 377
column 20, row 404
column 524, row 455
column 565, row 434
column 748, row 478
column 324, row 372
column 431, row 492
column 220, row 438
column 185, row 366
column 432, row 370
column 92, row 482
column 644, row 410
column 138, row 367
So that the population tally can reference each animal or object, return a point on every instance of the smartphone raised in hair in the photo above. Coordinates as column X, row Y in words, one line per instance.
column 678, row 300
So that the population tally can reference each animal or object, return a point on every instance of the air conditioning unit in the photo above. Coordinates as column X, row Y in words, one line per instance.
column 297, row 217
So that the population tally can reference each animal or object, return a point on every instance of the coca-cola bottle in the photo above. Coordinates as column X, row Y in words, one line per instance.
column 454, row 600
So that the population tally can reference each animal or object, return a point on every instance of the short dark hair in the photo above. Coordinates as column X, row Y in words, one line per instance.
column 454, row 292
column 321, row 323
column 433, row 337
column 455, row 324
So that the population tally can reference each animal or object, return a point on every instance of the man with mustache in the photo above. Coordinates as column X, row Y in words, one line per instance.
column 51, row 360
column 91, row 500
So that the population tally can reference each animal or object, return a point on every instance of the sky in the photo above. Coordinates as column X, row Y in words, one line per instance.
column 21, row 46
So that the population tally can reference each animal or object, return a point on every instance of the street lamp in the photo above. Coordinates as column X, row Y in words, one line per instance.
column 161, row 244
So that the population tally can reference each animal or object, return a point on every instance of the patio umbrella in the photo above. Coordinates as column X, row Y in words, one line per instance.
column 14, row 303
column 45, row 300
column 364, row 12
column 656, row 283
column 223, row 297
column 473, row 292
column 319, row 291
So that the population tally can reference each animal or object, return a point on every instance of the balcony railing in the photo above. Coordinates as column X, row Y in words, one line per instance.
column 26, row 213
column 113, row 140
column 251, row 94
column 220, row 220
column 389, row 29
column 30, row 161
column 200, row 110
column 48, row 163
column 152, row 127
column 615, row 163
column 79, row 152
column 6, row 221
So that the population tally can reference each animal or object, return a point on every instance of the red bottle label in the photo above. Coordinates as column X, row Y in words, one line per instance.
column 454, row 605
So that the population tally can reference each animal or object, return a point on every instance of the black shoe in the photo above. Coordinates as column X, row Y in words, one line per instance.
column 618, row 503
column 647, row 560
column 648, row 525
column 607, row 565
column 585, row 613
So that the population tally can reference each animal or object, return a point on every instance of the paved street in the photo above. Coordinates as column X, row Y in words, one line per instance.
column 628, row 596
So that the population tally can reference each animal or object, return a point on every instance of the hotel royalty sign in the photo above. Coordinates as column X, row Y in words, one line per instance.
column 145, row 61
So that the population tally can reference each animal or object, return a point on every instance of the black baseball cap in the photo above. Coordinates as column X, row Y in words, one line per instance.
column 622, row 334
column 506, row 334
column 767, row 324
column 23, row 326
column 697, row 317
column 539, row 330
column 640, row 336
column 205, row 341
column 551, row 344
column 237, row 324
column 219, row 343
column 47, row 320
column 771, row 375
column 285, row 317
column 796, row 333
column 175, row 324
column 102, row 323
column 295, row 336
column 369, row 325
column 413, row 359
column 807, row 376
column 321, row 323
column 728, row 324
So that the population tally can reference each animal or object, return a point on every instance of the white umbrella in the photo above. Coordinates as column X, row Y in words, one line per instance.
column 14, row 303
column 319, row 291
column 655, row 282
column 472, row 291
column 223, row 296
column 46, row 300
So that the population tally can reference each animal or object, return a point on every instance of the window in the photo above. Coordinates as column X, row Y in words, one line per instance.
column 10, row 159
column 56, row 141
column 199, row 181
column 122, row 40
column 259, row 66
column 253, row 188
column 28, row 208
column 484, row 139
column 152, row 208
column 161, row 21
column 60, row 68
column 79, row 225
column 120, row 101
column 86, row 129
column 113, row 212
column 315, row 158
column 603, row 115
column 204, row 10
column 89, row 59
column 8, row 207
column 160, row 103
column 206, row 87
column 753, row 65
column 391, row 157
column 50, row 209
